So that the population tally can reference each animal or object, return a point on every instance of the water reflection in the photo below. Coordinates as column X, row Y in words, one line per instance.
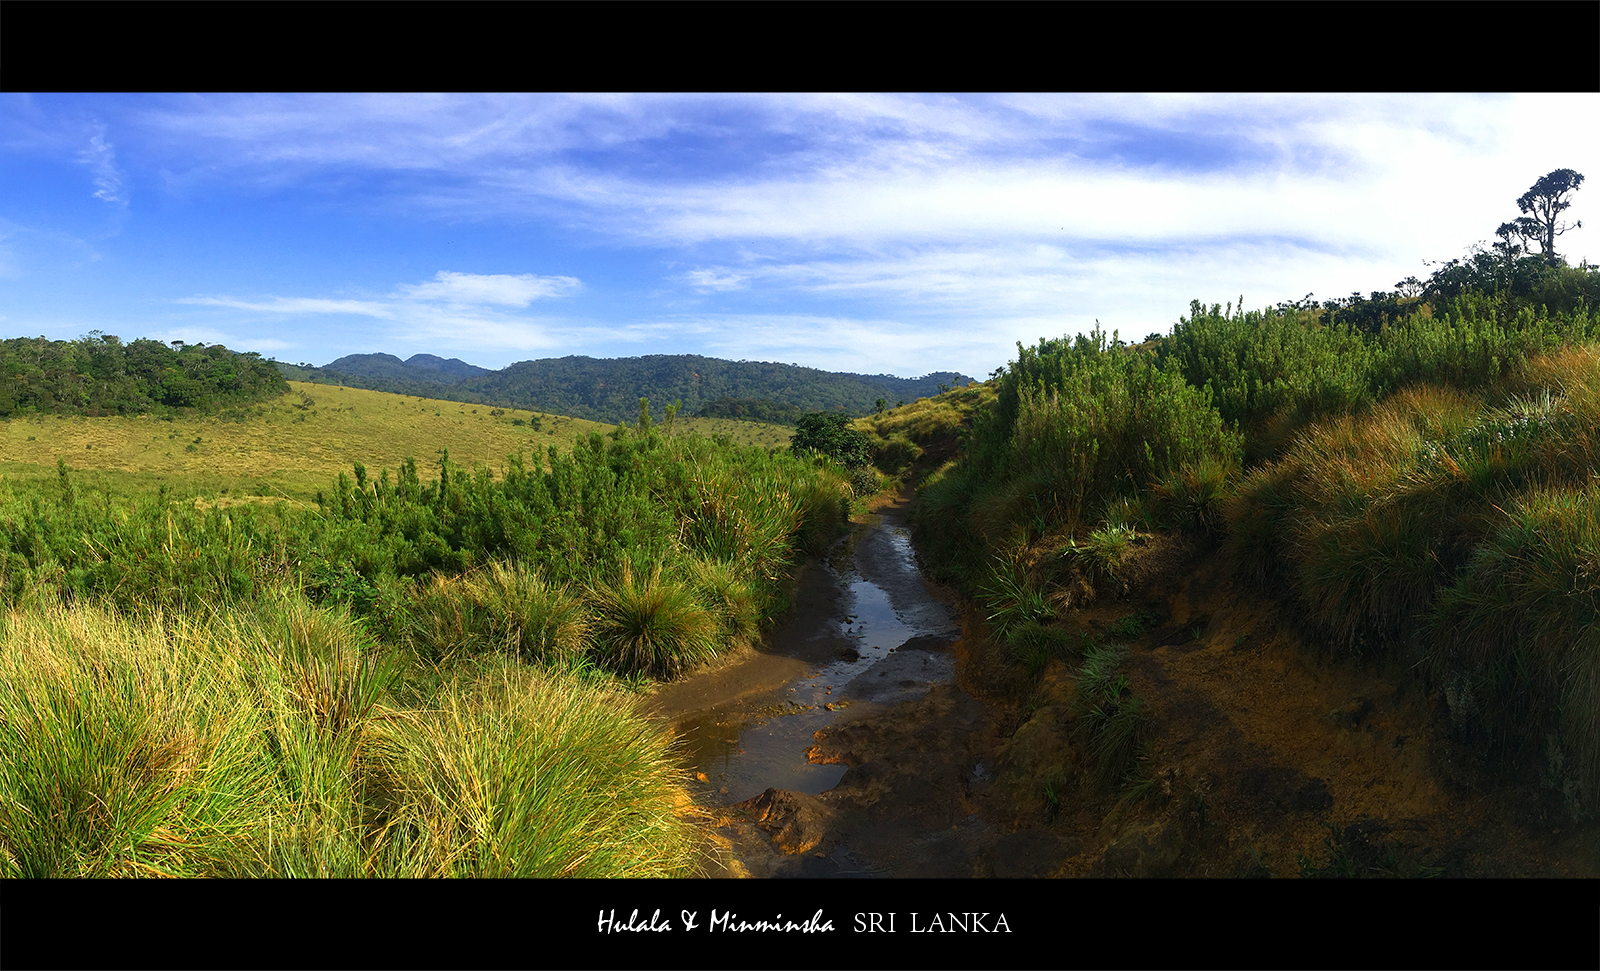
column 895, row 629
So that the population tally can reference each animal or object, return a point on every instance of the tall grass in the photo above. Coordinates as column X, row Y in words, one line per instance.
column 651, row 624
column 1111, row 718
column 1076, row 424
column 506, row 607
column 128, row 750
column 513, row 773
column 270, row 742
column 1522, row 622
column 1422, row 488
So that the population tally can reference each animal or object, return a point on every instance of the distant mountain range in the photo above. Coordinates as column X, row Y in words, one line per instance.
column 609, row 389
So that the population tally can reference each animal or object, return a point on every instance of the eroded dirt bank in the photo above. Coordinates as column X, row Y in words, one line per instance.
column 940, row 757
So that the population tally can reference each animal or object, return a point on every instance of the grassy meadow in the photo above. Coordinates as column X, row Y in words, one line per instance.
column 291, row 446
column 756, row 433
column 425, row 670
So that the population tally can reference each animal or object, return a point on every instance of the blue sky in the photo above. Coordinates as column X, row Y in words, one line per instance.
column 873, row 233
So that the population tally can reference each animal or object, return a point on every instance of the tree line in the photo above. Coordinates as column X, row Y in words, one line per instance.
column 100, row 375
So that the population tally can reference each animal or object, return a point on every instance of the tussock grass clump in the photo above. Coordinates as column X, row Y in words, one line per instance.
column 1463, row 528
column 1364, row 527
column 1376, row 512
column 318, row 680
column 1033, row 645
column 1013, row 598
column 734, row 518
column 501, row 607
column 130, row 749
column 268, row 742
column 724, row 588
column 651, row 625
column 1192, row 496
column 1520, row 627
column 515, row 774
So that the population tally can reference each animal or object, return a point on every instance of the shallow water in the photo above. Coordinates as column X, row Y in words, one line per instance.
column 897, row 633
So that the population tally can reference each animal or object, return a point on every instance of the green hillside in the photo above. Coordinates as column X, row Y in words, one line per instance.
column 609, row 389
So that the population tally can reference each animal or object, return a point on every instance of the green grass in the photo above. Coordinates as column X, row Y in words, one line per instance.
column 514, row 774
column 1012, row 598
column 1111, row 717
column 283, row 448
column 651, row 624
column 754, row 433
column 281, row 741
column 502, row 607
column 403, row 678
column 1034, row 645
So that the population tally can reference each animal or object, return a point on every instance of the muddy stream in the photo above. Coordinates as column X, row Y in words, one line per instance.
column 867, row 633
column 867, row 736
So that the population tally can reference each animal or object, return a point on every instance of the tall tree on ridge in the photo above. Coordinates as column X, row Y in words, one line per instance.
column 1546, row 200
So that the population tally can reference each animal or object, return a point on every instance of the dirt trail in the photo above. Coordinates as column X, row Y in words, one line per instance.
column 1257, row 747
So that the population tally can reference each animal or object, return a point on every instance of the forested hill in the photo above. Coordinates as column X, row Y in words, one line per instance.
column 609, row 389
column 391, row 368
column 100, row 375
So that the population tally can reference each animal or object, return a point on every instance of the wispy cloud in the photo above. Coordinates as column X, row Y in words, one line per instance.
column 890, row 228
column 495, row 288
column 102, row 161
column 211, row 335
column 297, row 305
column 707, row 281
column 452, row 310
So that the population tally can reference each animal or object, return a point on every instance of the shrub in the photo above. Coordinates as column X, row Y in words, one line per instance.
column 1080, row 422
column 1260, row 365
column 830, row 434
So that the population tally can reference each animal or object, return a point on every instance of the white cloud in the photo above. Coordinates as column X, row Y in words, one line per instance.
column 102, row 160
column 298, row 305
column 497, row 288
column 453, row 312
column 707, row 281
column 209, row 335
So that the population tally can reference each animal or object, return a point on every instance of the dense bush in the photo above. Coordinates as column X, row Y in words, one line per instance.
column 637, row 505
column 822, row 433
column 99, row 375
column 1076, row 423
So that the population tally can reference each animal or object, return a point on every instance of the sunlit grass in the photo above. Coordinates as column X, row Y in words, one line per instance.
column 512, row 773
column 502, row 607
column 651, row 624
column 285, row 447
column 269, row 741
column 758, row 433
